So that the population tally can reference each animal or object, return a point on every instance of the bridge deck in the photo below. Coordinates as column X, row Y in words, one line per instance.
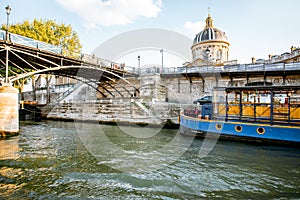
column 27, row 56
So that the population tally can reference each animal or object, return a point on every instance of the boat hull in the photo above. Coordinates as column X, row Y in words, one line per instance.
column 245, row 131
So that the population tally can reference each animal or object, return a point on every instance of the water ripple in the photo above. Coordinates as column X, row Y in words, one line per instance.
column 48, row 161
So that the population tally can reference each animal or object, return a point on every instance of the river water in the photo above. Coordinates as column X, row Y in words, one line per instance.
column 58, row 160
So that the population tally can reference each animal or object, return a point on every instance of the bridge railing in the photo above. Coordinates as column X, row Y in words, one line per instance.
column 18, row 39
column 108, row 64
column 63, row 95
column 30, row 42
column 226, row 68
column 292, row 66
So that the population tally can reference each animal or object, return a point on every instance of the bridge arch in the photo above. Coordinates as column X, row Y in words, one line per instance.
column 89, row 73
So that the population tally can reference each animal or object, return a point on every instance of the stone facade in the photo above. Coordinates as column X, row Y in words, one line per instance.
column 184, row 90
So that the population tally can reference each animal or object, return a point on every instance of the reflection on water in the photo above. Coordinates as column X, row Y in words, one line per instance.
column 49, row 161
column 9, row 149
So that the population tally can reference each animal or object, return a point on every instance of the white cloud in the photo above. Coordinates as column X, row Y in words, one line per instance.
column 194, row 27
column 112, row 12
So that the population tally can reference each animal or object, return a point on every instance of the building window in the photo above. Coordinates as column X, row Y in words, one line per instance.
column 219, row 54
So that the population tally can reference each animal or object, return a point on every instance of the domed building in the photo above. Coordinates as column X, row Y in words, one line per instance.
column 210, row 46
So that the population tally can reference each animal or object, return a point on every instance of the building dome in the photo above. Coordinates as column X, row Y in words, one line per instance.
column 210, row 45
column 210, row 33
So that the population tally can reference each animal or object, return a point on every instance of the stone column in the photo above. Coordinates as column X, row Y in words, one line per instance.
column 9, row 111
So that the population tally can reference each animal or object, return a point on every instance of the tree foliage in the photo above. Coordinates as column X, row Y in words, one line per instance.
column 49, row 31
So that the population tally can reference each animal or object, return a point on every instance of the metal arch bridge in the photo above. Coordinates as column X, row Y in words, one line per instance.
column 21, row 57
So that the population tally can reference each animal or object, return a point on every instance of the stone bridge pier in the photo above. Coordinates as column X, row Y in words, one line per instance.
column 9, row 111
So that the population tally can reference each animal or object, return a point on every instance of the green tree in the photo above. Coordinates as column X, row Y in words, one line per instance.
column 49, row 31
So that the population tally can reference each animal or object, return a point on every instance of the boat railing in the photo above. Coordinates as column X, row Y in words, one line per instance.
column 283, row 112
column 249, row 112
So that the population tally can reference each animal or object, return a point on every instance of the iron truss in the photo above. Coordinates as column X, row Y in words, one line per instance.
column 25, row 61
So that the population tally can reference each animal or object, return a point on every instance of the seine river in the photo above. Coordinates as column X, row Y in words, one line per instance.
column 56, row 160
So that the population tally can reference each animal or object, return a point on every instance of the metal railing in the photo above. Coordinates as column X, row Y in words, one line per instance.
column 64, row 94
column 106, row 63
column 229, row 68
column 18, row 39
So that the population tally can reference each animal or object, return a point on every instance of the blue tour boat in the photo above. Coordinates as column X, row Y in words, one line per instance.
column 256, row 113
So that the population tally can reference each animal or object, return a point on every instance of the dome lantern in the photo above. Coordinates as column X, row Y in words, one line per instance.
column 209, row 22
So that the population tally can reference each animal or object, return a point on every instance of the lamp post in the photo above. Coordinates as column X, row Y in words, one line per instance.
column 139, row 63
column 162, row 60
column 8, row 9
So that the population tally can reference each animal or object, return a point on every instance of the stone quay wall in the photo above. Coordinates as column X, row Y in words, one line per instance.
column 183, row 90
column 159, row 100
column 125, row 110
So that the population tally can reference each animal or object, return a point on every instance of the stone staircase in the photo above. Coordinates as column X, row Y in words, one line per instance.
column 84, row 104
column 103, row 110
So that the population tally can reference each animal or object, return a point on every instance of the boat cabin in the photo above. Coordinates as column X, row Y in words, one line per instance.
column 267, row 104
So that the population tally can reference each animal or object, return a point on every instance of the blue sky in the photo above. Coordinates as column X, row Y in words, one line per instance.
column 255, row 28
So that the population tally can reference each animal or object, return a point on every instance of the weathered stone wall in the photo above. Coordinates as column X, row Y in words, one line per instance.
column 131, row 110
column 185, row 89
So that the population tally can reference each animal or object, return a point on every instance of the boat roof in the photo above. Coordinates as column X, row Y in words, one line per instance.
column 260, row 88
